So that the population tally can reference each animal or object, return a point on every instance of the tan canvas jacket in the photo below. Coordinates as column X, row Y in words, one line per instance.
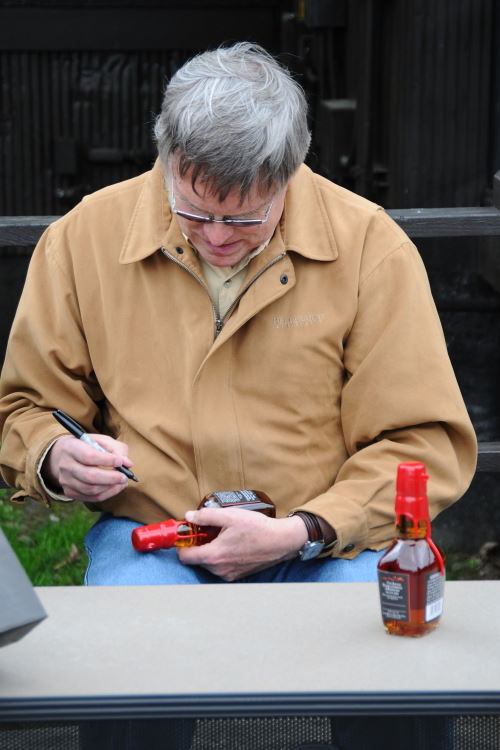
column 329, row 370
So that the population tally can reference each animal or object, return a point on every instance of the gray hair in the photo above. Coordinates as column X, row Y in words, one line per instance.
column 236, row 117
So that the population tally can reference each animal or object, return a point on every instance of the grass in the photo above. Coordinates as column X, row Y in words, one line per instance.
column 462, row 567
column 47, row 541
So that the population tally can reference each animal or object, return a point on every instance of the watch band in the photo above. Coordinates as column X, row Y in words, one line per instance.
column 312, row 525
column 316, row 541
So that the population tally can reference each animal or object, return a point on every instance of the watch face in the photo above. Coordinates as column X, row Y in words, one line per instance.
column 310, row 550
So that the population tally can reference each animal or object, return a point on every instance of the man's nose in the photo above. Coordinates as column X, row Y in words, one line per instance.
column 218, row 234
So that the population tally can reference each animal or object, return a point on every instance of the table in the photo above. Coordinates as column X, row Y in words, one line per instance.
column 248, row 650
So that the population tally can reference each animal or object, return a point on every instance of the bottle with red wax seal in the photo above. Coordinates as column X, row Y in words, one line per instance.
column 173, row 533
column 411, row 572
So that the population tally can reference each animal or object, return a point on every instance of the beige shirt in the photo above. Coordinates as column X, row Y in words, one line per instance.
column 224, row 282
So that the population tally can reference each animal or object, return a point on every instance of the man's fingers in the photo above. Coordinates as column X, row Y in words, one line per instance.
column 92, row 475
column 113, row 447
column 90, row 494
column 214, row 516
column 86, row 473
column 248, row 542
column 87, row 455
column 84, row 482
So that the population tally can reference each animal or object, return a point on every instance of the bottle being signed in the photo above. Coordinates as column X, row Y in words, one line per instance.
column 174, row 533
column 411, row 572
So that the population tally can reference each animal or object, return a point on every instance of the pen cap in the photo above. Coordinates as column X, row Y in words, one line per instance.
column 411, row 492
column 156, row 536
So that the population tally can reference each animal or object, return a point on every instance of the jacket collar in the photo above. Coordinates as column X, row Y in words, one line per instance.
column 305, row 226
column 151, row 221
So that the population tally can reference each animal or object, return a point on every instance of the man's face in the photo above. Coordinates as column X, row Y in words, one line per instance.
column 224, row 244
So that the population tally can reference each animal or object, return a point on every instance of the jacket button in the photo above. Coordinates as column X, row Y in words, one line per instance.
column 284, row 278
column 179, row 250
column 348, row 548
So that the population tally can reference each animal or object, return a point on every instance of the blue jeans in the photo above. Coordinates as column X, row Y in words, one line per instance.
column 114, row 562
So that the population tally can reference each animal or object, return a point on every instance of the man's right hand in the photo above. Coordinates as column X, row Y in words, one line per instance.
column 81, row 472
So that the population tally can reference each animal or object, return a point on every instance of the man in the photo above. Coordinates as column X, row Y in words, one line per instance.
column 232, row 321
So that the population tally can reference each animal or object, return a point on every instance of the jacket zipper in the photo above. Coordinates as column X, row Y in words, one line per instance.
column 218, row 321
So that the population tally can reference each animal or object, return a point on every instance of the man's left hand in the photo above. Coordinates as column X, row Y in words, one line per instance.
column 247, row 543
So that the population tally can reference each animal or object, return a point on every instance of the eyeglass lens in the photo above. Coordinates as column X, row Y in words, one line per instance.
column 210, row 220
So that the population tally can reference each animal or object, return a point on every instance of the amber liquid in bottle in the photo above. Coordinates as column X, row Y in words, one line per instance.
column 191, row 535
column 174, row 533
column 411, row 572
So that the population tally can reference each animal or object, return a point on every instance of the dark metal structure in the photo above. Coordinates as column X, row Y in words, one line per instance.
column 82, row 84
column 405, row 96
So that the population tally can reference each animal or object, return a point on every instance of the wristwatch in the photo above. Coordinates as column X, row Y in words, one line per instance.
column 316, row 542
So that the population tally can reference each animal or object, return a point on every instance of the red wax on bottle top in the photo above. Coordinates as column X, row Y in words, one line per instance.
column 411, row 500
column 411, row 492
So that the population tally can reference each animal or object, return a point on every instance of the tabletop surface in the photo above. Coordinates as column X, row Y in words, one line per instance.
column 246, row 648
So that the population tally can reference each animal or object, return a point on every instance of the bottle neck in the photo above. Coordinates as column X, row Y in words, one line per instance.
column 410, row 529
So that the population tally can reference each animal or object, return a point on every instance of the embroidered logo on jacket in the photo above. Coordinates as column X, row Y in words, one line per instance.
column 297, row 321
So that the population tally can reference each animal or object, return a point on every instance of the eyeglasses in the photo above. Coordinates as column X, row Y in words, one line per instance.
column 210, row 219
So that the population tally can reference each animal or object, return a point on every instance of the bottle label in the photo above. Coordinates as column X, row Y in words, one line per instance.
column 235, row 496
column 434, row 595
column 393, row 589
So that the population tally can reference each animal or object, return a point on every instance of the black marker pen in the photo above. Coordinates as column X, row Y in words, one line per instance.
column 77, row 430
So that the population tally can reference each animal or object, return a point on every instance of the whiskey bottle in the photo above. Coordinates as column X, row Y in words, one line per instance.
column 174, row 533
column 411, row 572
